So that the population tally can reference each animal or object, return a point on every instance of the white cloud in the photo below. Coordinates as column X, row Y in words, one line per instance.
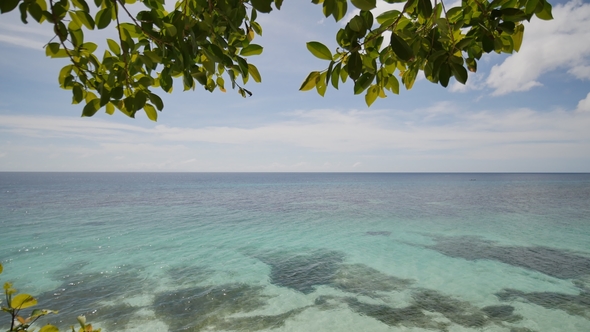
column 32, row 36
column 22, row 42
column 306, row 141
column 580, row 72
column 584, row 104
column 548, row 45
column 475, row 81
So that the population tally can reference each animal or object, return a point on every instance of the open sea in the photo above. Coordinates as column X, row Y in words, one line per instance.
column 302, row 252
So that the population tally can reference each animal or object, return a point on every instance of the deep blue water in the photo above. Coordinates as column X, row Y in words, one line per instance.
column 301, row 251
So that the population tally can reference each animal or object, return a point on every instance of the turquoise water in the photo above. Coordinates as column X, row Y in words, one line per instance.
column 301, row 252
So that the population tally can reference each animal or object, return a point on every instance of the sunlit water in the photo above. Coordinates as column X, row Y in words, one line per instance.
column 301, row 252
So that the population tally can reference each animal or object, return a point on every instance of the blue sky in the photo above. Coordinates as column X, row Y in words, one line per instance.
column 527, row 112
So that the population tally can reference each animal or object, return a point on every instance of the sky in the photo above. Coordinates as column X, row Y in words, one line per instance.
column 525, row 112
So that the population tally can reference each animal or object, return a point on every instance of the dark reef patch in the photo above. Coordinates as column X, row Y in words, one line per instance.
column 501, row 313
column 82, row 294
column 498, row 311
column 260, row 322
column 557, row 263
column 377, row 233
column 200, row 307
column 425, row 300
column 458, row 312
column 411, row 316
column 361, row 279
column 303, row 272
column 577, row 305
column 188, row 275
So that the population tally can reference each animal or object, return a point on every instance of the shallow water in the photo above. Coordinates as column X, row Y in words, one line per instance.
column 301, row 252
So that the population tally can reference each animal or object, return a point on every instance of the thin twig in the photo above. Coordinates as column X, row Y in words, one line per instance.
column 157, row 40
column 124, row 49
column 82, row 70
column 448, row 25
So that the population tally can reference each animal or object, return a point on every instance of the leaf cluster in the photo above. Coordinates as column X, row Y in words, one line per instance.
column 201, row 42
column 206, row 43
column 16, row 302
column 423, row 36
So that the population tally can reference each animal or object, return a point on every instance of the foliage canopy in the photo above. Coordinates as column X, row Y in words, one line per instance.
column 16, row 302
column 206, row 43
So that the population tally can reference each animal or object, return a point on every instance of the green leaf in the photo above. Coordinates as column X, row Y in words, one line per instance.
column 389, row 15
column 257, row 28
column 329, row 72
column 278, row 3
column 319, row 50
column 103, row 18
column 253, row 71
column 354, row 65
column 357, row 24
column 64, row 72
column 23, row 11
column 51, row 49
column 471, row 64
column 329, row 6
column 49, row 328
column 91, row 108
column 340, row 9
column 77, row 94
column 372, row 94
column 310, row 82
column 531, row 6
column 459, row 72
column 114, row 46
column 262, row 5
column 517, row 37
column 89, row 47
column 425, row 8
column 364, row 4
column 105, row 96
column 444, row 74
column 77, row 37
column 363, row 82
column 36, row 11
column 344, row 74
column 22, row 301
column 335, row 77
column 251, row 49
column 170, row 30
column 454, row 14
column 151, row 113
column 545, row 13
column 8, row 5
column 139, row 100
column 117, row 92
column 110, row 109
column 156, row 100
column 487, row 43
column 243, row 65
column 166, row 80
column 401, row 48
column 321, row 84
column 61, row 31
column 86, row 19
column 393, row 84
column 42, row 312
column 81, row 4
column 1, row 268
column 409, row 77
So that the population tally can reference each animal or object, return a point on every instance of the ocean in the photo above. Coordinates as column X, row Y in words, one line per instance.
column 300, row 251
